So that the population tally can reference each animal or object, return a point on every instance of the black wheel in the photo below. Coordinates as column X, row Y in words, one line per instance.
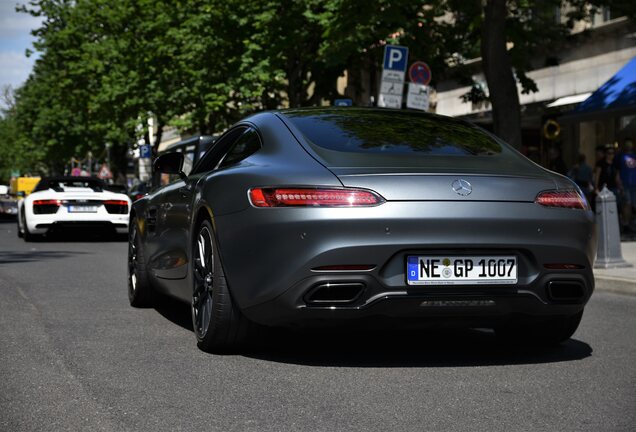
column 218, row 323
column 547, row 333
column 26, row 234
column 140, row 292
column 20, row 234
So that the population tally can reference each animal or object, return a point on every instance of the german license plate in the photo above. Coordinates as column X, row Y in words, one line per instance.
column 461, row 270
column 82, row 209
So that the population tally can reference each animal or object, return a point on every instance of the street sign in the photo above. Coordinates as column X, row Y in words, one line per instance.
column 145, row 151
column 395, row 57
column 343, row 102
column 393, row 72
column 104, row 172
column 420, row 73
column 418, row 96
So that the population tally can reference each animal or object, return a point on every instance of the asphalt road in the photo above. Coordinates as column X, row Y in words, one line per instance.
column 75, row 356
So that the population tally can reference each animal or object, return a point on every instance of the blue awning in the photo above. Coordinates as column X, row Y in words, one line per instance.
column 618, row 92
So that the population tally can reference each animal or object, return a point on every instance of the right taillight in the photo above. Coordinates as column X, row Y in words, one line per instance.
column 562, row 199
column 313, row 197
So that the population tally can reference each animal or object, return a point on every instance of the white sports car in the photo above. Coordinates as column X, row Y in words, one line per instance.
column 72, row 202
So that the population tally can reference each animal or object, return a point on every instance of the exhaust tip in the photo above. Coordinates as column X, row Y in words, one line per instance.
column 565, row 291
column 334, row 293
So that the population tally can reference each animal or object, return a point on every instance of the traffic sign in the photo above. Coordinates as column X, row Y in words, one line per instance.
column 342, row 102
column 390, row 101
column 418, row 96
column 145, row 151
column 395, row 57
column 420, row 73
column 392, row 83
column 104, row 172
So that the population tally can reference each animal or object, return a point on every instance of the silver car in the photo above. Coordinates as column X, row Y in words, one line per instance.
column 334, row 216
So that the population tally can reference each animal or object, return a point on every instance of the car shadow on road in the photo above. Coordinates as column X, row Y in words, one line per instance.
column 396, row 348
column 82, row 236
column 11, row 257
column 412, row 348
column 173, row 310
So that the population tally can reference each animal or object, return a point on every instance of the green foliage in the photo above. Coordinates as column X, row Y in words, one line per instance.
column 105, row 66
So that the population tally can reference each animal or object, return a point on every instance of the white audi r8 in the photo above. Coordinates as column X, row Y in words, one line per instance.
column 72, row 202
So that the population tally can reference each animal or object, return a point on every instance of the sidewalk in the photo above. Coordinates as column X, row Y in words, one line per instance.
column 620, row 280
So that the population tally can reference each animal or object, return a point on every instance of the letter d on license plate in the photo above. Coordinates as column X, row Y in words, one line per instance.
column 461, row 270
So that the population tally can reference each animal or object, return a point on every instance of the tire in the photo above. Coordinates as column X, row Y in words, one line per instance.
column 548, row 333
column 218, row 323
column 140, row 292
column 28, row 237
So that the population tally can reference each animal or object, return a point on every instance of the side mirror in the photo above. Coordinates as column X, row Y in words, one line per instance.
column 170, row 163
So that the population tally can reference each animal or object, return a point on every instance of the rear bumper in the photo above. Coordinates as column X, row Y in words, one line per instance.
column 270, row 256
column 421, row 305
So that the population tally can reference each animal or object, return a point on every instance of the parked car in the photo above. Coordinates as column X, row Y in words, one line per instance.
column 313, row 217
column 8, row 203
column 72, row 202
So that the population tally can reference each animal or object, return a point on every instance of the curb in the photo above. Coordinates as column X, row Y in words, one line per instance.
column 615, row 285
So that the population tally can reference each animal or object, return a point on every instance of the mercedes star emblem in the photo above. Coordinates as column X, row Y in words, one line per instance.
column 462, row 187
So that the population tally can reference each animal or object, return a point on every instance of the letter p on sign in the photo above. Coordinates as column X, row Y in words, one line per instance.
column 395, row 58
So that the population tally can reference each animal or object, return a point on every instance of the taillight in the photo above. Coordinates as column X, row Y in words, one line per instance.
column 139, row 196
column 563, row 199
column 46, row 206
column 116, row 206
column 312, row 197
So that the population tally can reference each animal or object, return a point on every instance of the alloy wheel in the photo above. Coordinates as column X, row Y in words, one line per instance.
column 132, row 258
column 203, row 275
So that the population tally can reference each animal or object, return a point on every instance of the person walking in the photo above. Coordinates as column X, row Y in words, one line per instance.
column 583, row 176
column 626, row 163
column 606, row 175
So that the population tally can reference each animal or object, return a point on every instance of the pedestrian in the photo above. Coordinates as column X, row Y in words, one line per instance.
column 556, row 163
column 583, row 176
column 626, row 163
column 606, row 175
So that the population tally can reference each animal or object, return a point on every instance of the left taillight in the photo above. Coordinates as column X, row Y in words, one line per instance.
column 313, row 197
column 562, row 199
column 46, row 206
column 116, row 206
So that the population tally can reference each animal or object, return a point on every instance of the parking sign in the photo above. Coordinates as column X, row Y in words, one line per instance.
column 393, row 71
column 395, row 57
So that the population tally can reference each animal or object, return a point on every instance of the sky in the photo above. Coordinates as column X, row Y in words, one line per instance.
column 15, row 38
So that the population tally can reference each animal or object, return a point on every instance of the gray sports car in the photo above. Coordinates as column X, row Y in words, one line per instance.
column 328, row 216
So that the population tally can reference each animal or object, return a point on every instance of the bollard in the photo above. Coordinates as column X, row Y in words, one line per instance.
column 608, row 253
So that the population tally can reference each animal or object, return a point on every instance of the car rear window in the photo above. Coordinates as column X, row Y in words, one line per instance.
column 399, row 140
column 379, row 131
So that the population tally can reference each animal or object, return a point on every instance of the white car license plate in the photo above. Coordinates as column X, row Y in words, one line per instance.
column 461, row 270
column 82, row 209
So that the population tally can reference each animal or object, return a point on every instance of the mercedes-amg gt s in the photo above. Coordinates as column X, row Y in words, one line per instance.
column 322, row 216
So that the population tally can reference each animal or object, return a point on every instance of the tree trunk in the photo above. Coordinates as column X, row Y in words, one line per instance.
column 497, row 65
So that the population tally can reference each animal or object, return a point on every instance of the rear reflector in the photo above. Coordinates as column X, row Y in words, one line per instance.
column 563, row 266
column 564, row 199
column 312, row 197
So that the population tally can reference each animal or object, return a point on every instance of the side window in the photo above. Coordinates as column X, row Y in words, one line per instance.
column 248, row 144
column 211, row 158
